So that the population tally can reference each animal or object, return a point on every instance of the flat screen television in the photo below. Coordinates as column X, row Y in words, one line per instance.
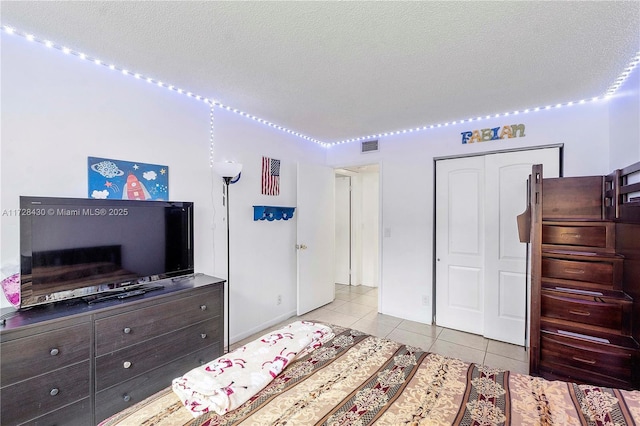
column 86, row 248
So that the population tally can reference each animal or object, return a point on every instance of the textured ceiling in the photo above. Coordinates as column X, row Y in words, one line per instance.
column 336, row 70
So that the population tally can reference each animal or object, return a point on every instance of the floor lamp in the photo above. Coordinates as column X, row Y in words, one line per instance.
column 230, row 173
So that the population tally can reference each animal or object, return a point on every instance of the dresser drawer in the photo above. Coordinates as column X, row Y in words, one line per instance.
column 34, row 397
column 44, row 352
column 592, row 236
column 596, row 270
column 582, row 359
column 78, row 414
column 119, row 331
column 121, row 396
column 601, row 311
column 132, row 361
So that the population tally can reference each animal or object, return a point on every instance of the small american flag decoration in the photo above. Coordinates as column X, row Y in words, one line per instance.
column 270, row 176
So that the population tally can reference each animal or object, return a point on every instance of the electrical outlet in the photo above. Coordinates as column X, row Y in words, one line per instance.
column 425, row 300
column 279, row 299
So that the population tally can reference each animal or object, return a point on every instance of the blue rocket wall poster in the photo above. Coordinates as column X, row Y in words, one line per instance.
column 126, row 180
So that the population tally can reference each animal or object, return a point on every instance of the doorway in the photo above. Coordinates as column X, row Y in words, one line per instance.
column 357, row 215
column 480, row 266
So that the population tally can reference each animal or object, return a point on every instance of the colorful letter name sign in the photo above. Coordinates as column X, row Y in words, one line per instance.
column 513, row 131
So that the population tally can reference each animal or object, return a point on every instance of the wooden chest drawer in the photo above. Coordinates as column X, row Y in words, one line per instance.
column 576, row 198
column 121, row 396
column 585, row 360
column 594, row 235
column 132, row 361
column 600, row 311
column 119, row 331
column 604, row 271
column 44, row 352
column 34, row 397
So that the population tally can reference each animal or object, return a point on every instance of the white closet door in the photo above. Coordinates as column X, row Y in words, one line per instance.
column 460, row 244
column 480, row 263
column 505, row 256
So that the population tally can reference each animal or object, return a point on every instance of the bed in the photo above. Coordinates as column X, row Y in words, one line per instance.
column 353, row 378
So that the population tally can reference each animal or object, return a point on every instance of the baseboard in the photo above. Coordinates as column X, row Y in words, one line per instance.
column 263, row 326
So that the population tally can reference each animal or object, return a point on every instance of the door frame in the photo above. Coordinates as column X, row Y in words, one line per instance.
column 560, row 147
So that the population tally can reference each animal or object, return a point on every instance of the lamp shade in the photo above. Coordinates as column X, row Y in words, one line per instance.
column 227, row 169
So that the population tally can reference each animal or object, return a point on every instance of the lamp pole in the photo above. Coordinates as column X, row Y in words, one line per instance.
column 227, row 180
column 230, row 173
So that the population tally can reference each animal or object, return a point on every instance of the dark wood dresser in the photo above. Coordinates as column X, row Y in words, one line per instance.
column 76, row 363
column 584, row 281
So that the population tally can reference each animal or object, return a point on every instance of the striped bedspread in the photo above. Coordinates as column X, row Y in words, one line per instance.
column 358, row 379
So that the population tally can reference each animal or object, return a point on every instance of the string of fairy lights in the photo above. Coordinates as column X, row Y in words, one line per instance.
column 212, row 103
column 211, row 133
column 612, row 89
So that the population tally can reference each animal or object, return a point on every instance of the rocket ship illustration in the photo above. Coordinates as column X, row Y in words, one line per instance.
column 134, row 189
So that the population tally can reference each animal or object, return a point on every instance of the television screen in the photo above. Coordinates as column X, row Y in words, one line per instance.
column 75, row 247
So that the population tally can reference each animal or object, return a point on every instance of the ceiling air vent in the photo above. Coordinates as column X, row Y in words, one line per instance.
column 369, row 146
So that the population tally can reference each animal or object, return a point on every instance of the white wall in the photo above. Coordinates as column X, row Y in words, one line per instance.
column 342, row 253
column 57, row 110
column 625, row 123
column 263, row 254
column 407, row 187
column 370, row 228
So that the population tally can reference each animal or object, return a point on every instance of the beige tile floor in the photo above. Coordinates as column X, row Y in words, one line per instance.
column 356, row 307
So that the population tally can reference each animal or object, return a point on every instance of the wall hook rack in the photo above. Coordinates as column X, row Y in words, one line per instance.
column 271, row 213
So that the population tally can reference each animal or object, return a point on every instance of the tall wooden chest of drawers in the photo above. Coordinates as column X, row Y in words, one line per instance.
column 78, row 364
column 585, row 317
column 582, row 315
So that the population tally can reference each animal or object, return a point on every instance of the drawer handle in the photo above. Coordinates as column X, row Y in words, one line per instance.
column 574, row 271
column 586, row 361
column 54, row 352
column 203, row 307
column 126, row 398
column 203, row 335
column 126, row 330
column 127, row 364
column 54, row 391
column 583, row 313
column 567, row 234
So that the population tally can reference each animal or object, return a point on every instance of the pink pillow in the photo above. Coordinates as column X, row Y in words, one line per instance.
column 11, row 288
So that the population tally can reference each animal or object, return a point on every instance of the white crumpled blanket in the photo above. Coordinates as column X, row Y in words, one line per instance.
column 230, row 380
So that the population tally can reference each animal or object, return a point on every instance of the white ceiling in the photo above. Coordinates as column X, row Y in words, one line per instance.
column 336, row 70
